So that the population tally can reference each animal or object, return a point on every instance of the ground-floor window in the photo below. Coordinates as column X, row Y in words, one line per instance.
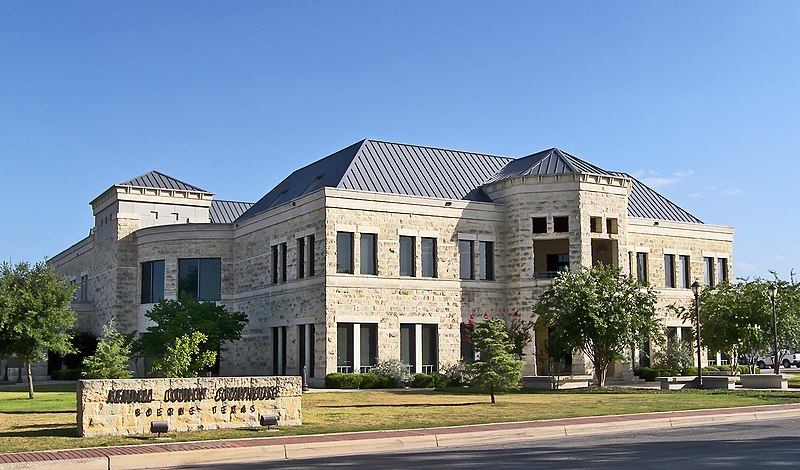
column 279, row 350
column 419, row 347
column 467, row 348
column 357, row 347
column 305, row 335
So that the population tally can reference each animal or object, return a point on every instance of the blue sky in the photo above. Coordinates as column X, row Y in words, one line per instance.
column 699, row 99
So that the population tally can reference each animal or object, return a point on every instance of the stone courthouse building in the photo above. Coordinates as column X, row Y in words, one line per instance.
column 382, row 251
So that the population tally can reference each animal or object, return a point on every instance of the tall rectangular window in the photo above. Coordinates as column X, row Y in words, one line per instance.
column 344, row 347
column 641, row 268
column 467, row 347
column 279, row 350
column 200, row 278
column 310, row 255
column 85, row 288
column 344, row 252
column 279, row 263
column 722, row 269
column 408, row 346
column 684, row 271
column 407, row 256
column 708, row 271
column 429, row 257
column 301, row 258
column 466, row 257
column 368, row 342
column 152, row 281
column 669, row 270
column 430, row 349
column 486, row 261
column 305, row 335
column 369, row 253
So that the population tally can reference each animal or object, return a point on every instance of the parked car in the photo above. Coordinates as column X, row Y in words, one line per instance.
column 788, row 359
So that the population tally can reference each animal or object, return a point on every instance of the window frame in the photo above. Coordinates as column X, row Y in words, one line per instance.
column 429, row 260
column 373, row 266
column 486, row 260
column 151, row 267
column 409, row 259
column 340, row 256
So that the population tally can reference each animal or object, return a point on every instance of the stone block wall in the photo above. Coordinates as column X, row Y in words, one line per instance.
column 121, row 407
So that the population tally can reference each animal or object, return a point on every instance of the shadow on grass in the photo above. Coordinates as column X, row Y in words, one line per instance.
column 35, row 412
column 404, row 405
column 68, row 431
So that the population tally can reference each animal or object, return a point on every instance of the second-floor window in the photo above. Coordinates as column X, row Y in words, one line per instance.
column 641, row 268
column 669, row 270
column 429, row 257
column 279, row 263
column 722, row 269
column 684, row 272
column 200, row 278
column 708, row 271
column 152, row 281
column 466, row 259
column 344, row 252
column 407, row 256
column 486, row 261
column 369, row 253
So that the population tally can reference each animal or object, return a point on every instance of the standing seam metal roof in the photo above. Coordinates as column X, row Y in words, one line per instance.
column 156, row 179
column 387, row 167
column 225, row 212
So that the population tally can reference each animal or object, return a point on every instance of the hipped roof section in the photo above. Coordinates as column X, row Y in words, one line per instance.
column 413, row 170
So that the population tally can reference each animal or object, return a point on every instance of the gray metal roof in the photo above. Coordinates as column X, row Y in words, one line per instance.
column 648, row 204
column 386, row 167
column 155, row 179
column 547, row 162
column 225, row 212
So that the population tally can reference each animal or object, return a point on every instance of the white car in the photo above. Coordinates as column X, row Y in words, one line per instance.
column 787, row 360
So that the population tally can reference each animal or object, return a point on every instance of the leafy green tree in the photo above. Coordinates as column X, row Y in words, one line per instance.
column 110, row 361
column 34, row 313
column 677, row 355
column 496, row 369
column 184, row 357
column 600, row 312
column 175, row 318
column 737, row 318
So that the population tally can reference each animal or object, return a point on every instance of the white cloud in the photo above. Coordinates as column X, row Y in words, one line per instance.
column 655, row 181
column 732, row 192
column 695, row 195
column 780, row 259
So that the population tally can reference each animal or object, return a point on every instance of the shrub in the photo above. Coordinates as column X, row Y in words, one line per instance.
column 689, row 371
column 422, row 381
column 711, row 368
column 725, row 368
column 746, row 370
column 394, row 369
column 66, row 374
column 338, row 380
column 457, row 374
column 647, row 373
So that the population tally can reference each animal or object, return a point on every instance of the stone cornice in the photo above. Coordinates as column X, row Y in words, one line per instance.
column 145, row 194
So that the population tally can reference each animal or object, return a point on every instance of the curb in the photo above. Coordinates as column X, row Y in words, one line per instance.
column 324, row 445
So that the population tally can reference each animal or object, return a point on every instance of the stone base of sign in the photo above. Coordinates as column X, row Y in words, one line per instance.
column 128, row 406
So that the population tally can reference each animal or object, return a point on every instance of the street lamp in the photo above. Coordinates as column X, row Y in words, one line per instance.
column 696, row 292
column 772, row 292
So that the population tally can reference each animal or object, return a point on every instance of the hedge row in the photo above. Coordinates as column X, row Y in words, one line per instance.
column 650, row 374
column 370, row 380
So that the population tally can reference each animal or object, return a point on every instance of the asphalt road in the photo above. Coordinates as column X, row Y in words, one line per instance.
column 763, row 444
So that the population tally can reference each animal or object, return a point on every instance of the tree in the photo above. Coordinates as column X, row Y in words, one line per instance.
column 495, row 369
column 175, row 318
column 110, row 361
column 184, row 357
column 737, row 318
column 600, row 312
column 34, row 313
column 677, row 355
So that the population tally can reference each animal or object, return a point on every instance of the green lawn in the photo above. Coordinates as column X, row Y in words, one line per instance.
column 48, row 422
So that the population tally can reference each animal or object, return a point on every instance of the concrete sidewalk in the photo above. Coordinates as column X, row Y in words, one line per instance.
column 266, row 449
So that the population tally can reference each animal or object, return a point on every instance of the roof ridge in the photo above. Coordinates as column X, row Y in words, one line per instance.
column 231, row 200
column 442, row 148
column 125, row 183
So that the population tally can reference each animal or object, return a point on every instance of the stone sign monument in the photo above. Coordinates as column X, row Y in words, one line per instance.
column 128, row 406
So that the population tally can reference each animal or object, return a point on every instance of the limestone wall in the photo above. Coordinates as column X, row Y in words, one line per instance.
column 120, row 407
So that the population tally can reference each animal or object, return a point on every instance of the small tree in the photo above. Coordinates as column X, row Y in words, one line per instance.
column 175, row 318
column 34, row 313
column 110, row 361
column 677, row 355
column 600, row 312
column 496, row 369
column 184, row 357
